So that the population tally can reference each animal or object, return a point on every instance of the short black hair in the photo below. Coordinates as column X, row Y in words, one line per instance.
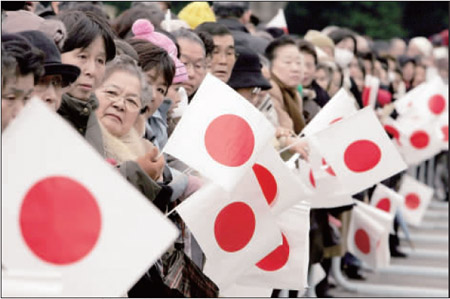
column 230, row 9
column 152, row 56
column 83, row 28
column 276, row 43
column 207, row 41
column 28, row 58
column 342, row 33
column 213, row 28
column 307, row 47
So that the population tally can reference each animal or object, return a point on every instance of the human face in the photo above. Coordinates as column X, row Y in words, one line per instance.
column 254, row 95
column 15, row 92
column 50, row 90
column 223, row 57
column 335, row 83
column 91, row 62
column 322, row 79
column 174, row 96
column 193, row 56
column 287, row 65
column 309, row 69
column 159, row 88
column 419, row 75
column 346, row 43
column 119, row 100
column 408, row 71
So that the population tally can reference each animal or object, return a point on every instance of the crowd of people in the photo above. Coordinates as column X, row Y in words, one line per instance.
column 122, row 81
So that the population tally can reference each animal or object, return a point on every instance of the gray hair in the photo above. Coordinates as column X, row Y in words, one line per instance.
column 187, row 34
column 125, row 63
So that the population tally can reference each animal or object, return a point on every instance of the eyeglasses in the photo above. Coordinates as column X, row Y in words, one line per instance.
column 198, row 65
column 131, row 103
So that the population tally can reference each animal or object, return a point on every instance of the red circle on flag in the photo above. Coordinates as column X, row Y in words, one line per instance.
column 393, row 131
column 419, row 139
column 444, row 130
column 229, row 140
column 277, row 258
column 234, row 226
column 328, row 167
column 60, row 220
column 335, row 120
column 412, row 201
column 436, row 104
column 311, row 178
column 267, row 182
column 362, row 155
column 362, row 241
column 384, row 204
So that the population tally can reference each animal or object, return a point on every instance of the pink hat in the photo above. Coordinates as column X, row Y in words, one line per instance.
column 144, row 29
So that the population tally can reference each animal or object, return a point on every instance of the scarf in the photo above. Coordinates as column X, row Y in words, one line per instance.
column 291, row 102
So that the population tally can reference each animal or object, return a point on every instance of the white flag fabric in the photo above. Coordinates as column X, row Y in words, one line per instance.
column 368, row 235
column 72, row 213
column 429, row 99
column 441, row 129
column 358, row 150
column 235, row 230
column 386, row 199
column 281, row 187
column 244, row 291
column 286, row 267
column 338, row 107
column 279, row 21
column 220, row 133
column 391, row 126
column 419, row 140
column 417, row 198
column 370, row 91
column 326, row 190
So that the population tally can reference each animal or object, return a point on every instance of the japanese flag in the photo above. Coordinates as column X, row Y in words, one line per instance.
column 235, row 230
column 386, row 199
column 220, row 134
column 340, row 106
column 68, row 212
column 358, row 150
column 429, row 99
column 370, row 91
column 368, row 235
column 391, row 126
column 419, row 141
column 286, row 267
column 327, row 191
column 441, row 129
column 282, row 189
column 279, row 21
column 417, row 198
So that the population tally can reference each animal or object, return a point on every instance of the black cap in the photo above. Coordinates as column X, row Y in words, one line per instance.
column 52, row 61
column 247, row 71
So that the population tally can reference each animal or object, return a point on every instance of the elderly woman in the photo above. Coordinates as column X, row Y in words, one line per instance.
column 122, row 96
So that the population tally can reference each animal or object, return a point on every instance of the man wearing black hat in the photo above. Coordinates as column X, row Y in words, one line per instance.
column 57, row 76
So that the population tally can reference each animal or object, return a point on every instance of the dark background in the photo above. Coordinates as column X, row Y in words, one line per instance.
column 379, row 20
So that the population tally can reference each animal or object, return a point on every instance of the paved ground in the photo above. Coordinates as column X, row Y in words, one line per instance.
column 424, row 273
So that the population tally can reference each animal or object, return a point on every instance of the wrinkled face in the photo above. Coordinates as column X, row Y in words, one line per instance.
column 287, row 65
column 309, row 69
column 15, row 92
column 322, row 79
column 159, row 88
column 223, row 57
column 91, row 62
column 50, row 90
column 192, row 55
column 119, row 98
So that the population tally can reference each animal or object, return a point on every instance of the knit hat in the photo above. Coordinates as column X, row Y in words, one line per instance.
column 143, row 29
column 196, row 13
column 319, row 39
